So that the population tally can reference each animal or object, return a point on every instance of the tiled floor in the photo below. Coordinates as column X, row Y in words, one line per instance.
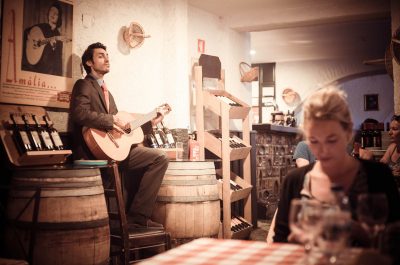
column 260, row 233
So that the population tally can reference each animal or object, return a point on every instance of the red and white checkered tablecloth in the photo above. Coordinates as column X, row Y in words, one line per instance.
column 209, row 251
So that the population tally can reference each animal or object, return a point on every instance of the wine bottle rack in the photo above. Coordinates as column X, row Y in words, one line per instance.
column 235, row 182
column 228, row 148
column 240, row 228
column 29, row 158
column 214, row 144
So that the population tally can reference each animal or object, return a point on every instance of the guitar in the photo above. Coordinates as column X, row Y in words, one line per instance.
column 36, row 42
column 114, row 145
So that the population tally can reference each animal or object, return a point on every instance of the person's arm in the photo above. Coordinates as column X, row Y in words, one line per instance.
column 300, row 162
column 366, row 154
column 386, row 157
column 302, row 154
column 291, row 186
column 82, row 104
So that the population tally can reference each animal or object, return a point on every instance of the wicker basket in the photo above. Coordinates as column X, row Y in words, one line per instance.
column 248, row 73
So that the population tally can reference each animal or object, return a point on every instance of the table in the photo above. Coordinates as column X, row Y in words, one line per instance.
column 209, row 251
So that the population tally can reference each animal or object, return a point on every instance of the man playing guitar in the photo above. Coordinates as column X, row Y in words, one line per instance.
column 93, row 108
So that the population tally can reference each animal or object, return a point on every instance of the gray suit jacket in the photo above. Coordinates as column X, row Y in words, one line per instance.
column 88, row 108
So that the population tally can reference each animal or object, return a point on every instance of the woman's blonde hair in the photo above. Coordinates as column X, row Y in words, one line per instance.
column 328, row 104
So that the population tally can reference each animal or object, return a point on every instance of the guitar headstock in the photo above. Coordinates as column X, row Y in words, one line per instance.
column 164, row 109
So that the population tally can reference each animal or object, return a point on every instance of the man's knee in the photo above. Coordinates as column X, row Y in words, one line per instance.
column 163, row 158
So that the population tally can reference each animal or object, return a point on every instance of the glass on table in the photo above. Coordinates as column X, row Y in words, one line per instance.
column 334, row 233
column 304, row 222
column 372, row 212
column 179, row 151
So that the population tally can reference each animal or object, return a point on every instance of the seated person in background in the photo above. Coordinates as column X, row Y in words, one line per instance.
column 91, row 107
column 392, row 154
column 302, row 154
column 358, row 151
column 328, row 129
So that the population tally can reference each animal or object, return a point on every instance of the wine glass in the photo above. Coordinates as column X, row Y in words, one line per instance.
column 334, row 233
column 372, row 212
column 304, row 220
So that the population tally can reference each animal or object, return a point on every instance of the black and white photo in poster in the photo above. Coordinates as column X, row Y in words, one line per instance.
column 37, row 52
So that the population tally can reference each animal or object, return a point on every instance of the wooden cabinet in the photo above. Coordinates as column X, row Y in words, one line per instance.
column 229, row 148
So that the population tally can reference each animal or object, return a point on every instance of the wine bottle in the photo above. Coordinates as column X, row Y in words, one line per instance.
column 33, row 135
column 162, row 136
column 151, row 140
column 55, row 137
column 21, row 137
column 169, row 136
column 44, row 135
column 158, row 138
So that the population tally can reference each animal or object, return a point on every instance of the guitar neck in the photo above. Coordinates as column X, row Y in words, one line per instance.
column 143, row 119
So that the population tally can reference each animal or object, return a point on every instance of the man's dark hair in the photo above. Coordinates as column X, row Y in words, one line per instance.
column 88, row 54
column 58, row 6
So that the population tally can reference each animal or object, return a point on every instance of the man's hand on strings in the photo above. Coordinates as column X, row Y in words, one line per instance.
column 120, row 124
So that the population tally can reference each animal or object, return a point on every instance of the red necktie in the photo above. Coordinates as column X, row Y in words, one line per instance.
column 106, row 96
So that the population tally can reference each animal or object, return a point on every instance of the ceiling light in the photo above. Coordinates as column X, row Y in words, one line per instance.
column 252, row 52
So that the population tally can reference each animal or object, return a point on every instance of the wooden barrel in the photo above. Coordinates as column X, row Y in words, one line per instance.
column 188, row 204
column 72, row 224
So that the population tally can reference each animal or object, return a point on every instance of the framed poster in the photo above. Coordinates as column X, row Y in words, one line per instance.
column 371, row 102
column 36, row 58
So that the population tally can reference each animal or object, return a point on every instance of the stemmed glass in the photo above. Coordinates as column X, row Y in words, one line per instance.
column 372, row 212
column 304, row 222
column 334, row 233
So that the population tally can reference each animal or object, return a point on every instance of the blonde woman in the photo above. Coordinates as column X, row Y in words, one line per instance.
column 328, row 128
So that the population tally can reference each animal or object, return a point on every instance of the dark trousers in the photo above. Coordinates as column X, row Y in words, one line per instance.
column 142, row 189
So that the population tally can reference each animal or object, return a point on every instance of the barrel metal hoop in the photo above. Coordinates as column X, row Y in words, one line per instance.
column 188, row 199
column 189, row 182
column 61, row 225
column 27, row 185
column 67, row 173
column 64, row 192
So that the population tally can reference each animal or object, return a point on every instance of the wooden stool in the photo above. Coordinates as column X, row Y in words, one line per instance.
column 128, row 243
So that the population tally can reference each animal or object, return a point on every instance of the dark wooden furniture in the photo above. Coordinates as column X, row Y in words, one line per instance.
column 129, row 245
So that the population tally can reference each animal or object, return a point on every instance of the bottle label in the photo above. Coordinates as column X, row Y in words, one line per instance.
column 170, row 138
column 47, row 139
column 36, row 138
column 24, row 137
column 159, row 140
column 56, row 138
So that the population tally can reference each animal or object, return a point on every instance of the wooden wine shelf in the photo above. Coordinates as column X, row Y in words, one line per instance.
column 31, row 158
column 215, row 146
column 242, row 233
column 235, row 195
column 214, row 104
column 227, row 107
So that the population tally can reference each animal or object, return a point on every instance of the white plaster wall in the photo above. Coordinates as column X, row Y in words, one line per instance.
column 307, row 76
column 159, row 71
column 143, row 78
column 230, row 46
column 377, row 84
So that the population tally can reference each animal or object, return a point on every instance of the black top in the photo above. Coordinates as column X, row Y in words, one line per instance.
column 373, row 177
